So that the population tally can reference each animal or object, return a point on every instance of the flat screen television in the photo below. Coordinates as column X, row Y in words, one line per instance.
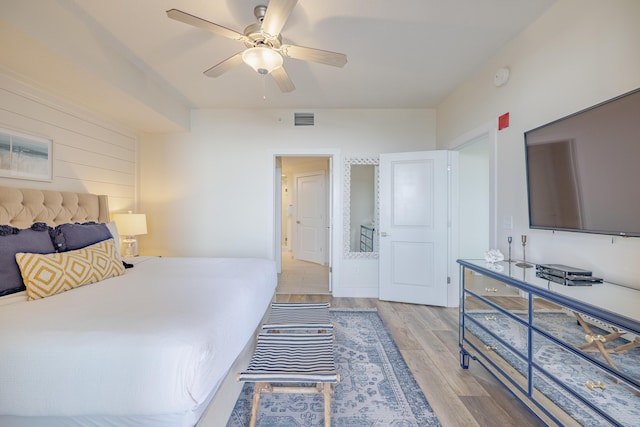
column 583, row 170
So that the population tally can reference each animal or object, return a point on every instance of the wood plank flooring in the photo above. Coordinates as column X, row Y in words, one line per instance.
column 428, row 339
column 302, row 277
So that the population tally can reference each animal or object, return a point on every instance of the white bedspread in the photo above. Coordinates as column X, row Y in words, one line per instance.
column 156, row 340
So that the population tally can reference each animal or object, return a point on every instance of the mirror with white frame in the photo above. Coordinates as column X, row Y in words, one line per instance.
column 360, row 207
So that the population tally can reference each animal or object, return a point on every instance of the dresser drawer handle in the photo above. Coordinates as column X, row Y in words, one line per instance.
column 591, row 338
column 491, row 289
column 591, row 385
column 489, row 317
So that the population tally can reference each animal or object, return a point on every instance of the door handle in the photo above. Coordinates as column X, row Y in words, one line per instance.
column 297, row 222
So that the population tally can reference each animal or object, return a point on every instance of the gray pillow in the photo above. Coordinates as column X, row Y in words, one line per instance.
column 69, row 237
column 12, row 240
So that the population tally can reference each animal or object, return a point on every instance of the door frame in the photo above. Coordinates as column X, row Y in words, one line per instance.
column 275, row 210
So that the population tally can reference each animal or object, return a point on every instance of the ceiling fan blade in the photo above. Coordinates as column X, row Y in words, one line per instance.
column 224, row 66
column 187, row 18
column 282, row 80
column 278, row 12
column 314, row 55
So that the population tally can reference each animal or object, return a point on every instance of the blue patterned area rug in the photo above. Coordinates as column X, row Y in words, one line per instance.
column 376, row 387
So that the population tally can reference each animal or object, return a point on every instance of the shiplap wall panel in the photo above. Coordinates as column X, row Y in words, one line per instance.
column 119, row 196
column 68, row 129
column 89, row 154
column 52, row 115
column 96, row 160
column 85, row 173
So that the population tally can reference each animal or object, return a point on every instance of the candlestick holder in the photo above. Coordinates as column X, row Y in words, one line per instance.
column 524, row 263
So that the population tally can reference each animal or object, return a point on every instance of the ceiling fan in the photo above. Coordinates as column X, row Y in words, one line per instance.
column 264, row 48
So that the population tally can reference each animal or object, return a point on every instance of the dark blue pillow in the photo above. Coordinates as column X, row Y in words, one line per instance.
column 69, row 237
column 12, row 240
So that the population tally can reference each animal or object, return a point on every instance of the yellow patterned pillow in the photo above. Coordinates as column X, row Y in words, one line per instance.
column 49, row 274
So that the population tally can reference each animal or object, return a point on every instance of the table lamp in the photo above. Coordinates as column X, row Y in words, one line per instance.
column 130, row 225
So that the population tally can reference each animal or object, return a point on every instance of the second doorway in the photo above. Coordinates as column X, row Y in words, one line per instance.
column 305, row 226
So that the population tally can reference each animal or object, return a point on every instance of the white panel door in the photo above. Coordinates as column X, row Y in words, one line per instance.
column 414, row 227
column 310, row 217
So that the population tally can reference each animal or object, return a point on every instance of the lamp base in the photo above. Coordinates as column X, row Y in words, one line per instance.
column 129, row 247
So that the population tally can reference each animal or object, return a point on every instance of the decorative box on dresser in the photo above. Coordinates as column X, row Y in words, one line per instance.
column 570, row 353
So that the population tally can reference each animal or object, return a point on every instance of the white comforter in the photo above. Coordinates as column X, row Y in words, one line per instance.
column 157, row 340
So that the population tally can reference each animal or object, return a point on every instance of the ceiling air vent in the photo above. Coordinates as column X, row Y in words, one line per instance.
column 303, row 119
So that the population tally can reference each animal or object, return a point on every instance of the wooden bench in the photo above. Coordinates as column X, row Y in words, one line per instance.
column 288, row 363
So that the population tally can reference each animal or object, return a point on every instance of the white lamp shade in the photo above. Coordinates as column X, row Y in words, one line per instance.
column 262, row 59
column 131, row 224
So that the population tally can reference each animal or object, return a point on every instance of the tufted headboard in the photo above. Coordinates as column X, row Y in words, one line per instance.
column 21, row 207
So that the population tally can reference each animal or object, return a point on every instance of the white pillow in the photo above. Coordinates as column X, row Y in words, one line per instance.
column 113, row 229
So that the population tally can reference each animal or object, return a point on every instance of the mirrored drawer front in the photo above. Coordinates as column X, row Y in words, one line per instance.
column 507, row 300
column 609, row 345
column 490, row 345
column 499, row 324
column 484, row 285
column 620, row 400
column 544, row 388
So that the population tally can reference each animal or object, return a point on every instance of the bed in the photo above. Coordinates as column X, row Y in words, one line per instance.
column 157, row 345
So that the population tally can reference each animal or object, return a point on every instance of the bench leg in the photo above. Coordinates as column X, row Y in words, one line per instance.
column 327, row 405
column 258, row 388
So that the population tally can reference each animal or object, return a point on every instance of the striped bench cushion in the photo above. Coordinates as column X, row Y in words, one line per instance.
column 292, row 358
column 299, row 316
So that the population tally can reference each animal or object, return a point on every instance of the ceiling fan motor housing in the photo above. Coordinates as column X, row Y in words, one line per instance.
column 256, row 37
column 259, row 11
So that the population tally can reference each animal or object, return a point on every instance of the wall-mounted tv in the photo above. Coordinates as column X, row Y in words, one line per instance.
column 583, row 170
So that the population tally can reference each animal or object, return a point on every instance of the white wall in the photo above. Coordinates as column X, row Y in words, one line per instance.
column 89, row 154
column 579, row 53
column 210, row 192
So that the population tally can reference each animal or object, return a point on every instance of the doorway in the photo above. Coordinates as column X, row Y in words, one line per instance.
column 305, row 220
column 477, row 190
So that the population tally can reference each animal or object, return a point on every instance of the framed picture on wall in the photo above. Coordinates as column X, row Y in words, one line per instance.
column 24, row 156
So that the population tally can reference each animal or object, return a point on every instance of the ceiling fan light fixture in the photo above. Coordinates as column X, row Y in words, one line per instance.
column 262, row 59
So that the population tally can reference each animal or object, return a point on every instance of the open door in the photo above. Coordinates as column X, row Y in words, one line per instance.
column 414, row 227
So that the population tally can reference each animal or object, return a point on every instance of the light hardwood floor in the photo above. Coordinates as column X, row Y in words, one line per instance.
column 428, row 339
column 302, row 276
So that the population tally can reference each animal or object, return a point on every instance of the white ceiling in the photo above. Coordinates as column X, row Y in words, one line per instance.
column 401, row 54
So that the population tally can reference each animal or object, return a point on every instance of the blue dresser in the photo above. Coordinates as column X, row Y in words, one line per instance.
column 570, row 353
